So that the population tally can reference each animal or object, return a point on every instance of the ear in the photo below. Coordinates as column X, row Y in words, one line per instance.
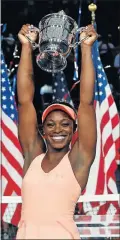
column 43, row 133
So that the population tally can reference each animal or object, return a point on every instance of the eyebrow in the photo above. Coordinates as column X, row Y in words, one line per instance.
column 60, row 120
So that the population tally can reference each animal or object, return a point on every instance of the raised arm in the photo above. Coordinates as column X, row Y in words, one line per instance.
column 32, row 145
column 86, row 112
column 85, row 148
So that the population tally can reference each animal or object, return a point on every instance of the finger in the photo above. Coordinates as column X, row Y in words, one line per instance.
column 92, row 33
column 89, row 31
column 25, row 27
column 86, row 30
column 23, row 32
column 92, row 36
column 90, row 26
column 83, row 34
column 27, row 24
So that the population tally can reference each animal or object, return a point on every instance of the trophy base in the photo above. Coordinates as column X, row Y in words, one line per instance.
column 51, row 61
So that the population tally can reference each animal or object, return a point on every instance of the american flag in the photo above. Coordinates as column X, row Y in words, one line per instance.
column 102, row 174
column 60, row 88
column 12, row 159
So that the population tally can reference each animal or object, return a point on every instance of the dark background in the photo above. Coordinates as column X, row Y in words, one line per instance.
column 17, row 13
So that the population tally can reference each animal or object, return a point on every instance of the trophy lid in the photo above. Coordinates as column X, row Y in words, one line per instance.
column 62, row 12
column 59, row 14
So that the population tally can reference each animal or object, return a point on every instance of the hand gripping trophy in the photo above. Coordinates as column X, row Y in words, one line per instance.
column 57, row 37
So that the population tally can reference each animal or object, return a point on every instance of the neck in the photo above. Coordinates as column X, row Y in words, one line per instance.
column 55, row 155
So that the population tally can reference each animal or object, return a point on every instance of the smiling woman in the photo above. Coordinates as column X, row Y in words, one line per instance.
column 58, row 126
column 61, row 172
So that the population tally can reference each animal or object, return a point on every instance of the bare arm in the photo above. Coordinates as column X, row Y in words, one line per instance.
column 85, row 148
column 86, row 111
column 31, row 144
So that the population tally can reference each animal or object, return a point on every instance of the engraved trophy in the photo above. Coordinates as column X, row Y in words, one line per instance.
column 57, row 36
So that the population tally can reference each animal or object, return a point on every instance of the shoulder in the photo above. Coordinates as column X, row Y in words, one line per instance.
column 33, row 164
column 38, row 158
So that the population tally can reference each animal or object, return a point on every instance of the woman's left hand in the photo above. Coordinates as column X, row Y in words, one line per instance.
column 91, row 33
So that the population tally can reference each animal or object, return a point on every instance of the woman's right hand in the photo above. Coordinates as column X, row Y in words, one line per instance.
column 25, row 31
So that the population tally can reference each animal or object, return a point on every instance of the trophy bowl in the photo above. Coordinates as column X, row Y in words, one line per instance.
column 50, row 62
column 56, row 33
column 57, row 37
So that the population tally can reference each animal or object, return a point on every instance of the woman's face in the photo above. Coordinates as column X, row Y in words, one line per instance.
column 58, row 129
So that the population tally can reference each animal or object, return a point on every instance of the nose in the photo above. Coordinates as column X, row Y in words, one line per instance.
column 57, row 128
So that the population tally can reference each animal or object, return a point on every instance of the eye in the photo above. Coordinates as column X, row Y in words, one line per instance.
column 65, row 124
column 50, row 124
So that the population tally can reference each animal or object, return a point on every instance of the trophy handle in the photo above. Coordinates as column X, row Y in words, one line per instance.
column 79, row 30
column 34, row 44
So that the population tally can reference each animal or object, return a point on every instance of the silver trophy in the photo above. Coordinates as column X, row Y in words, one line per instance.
column 57, row 36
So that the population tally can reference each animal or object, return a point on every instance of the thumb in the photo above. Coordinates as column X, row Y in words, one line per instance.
column 83, row 35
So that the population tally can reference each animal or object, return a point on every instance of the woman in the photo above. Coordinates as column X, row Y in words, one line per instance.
column 53, row 180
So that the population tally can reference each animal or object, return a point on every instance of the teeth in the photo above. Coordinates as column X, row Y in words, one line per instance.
column 58, row 138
